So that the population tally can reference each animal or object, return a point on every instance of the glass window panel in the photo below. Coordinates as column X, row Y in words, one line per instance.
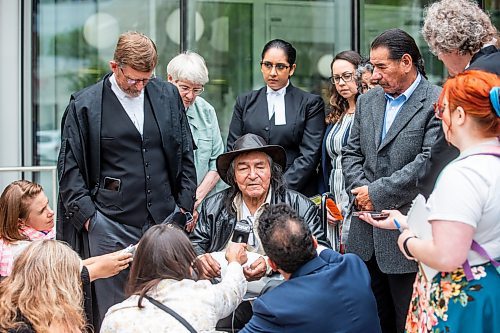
column 73, row 42
column 233, row 34
column 378, row 16
column 493, row 8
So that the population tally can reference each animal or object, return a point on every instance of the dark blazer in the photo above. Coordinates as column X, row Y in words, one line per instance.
column 389, row 167
column 330, row 293
column 79, row 158
column 487, row 59
column 442, row 153
column 301, row 136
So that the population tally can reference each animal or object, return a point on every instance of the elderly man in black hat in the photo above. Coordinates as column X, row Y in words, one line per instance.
column 253, row 170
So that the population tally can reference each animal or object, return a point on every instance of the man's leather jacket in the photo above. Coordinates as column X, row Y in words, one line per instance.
column 215, row 225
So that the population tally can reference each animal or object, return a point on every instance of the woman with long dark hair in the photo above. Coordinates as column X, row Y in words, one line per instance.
column 344, row 91
column 165, row 270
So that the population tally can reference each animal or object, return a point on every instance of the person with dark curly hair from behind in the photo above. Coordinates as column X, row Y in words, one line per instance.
column 328, row 292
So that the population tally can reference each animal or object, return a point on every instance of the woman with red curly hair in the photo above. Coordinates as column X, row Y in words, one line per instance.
column 464, row 214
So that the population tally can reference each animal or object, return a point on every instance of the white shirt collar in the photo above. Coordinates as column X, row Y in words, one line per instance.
column 279, row 92
column 133, row 106
column 276, row 104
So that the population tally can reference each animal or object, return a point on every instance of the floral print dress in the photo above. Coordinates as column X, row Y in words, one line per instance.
column 450, row 303
column 466, row 191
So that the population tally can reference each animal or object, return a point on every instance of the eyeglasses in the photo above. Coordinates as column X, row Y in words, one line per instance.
column 135, row 81
column 183, row 89
column 347, row 77
column 267, row 66
column 438, row 110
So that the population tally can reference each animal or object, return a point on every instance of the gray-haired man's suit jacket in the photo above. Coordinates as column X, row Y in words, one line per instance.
column 389, row 167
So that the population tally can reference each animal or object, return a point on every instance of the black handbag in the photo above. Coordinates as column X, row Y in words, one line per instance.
column 172, row 313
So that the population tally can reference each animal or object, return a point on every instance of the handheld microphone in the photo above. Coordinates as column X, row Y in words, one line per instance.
column 241, row 232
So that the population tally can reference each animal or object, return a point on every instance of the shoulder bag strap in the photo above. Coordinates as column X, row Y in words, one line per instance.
column 484, row 150
column 482, row 252
column 171, row 312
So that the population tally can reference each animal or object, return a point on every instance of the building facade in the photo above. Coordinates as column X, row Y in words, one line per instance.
column 51, row 48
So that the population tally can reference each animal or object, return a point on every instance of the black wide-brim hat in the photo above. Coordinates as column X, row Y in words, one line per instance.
column 248, row 143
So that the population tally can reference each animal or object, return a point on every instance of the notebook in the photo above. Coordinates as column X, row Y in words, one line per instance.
column 420, row 226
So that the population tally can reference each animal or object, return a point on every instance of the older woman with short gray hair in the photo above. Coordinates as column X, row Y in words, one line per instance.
column 463, row 37
column 189, row 73
column 363, row 76
column 458, row 32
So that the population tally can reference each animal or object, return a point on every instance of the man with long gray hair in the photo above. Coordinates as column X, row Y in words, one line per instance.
column 253, row 171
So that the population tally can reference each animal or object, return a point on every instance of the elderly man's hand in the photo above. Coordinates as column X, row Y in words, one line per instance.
column 256, row 270
column 209, row 267
column 237, row 252
column 363, row 200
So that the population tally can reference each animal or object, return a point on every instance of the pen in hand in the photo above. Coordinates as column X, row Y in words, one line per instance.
column 398, row 226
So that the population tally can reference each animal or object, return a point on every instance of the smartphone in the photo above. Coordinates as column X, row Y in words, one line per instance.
column 375, row 215
column 130, row 249
column 112, row 184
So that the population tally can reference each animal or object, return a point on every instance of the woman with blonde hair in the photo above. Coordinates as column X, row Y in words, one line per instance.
column 25, row 216
column 463, row 213
column 44, row 292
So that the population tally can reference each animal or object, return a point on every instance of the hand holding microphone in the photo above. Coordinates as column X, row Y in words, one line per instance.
column 242, row 231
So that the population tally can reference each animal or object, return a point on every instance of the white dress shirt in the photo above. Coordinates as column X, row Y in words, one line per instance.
column 134, row 106
column 276, row 105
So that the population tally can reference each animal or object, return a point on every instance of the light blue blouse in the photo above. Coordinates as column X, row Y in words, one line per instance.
column 206, row 134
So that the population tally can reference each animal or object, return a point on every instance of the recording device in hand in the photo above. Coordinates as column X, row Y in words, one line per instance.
column 130, row 249
column 375, row 215
column 242, row 231
column 178, row 218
